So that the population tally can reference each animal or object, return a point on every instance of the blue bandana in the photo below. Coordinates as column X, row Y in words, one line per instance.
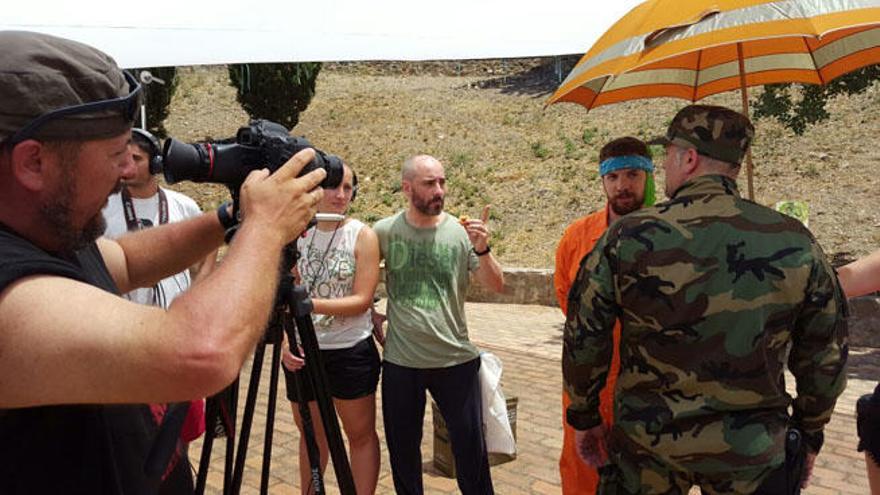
column 628, row 161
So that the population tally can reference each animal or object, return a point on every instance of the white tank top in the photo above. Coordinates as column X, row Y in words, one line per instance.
column 326, row 267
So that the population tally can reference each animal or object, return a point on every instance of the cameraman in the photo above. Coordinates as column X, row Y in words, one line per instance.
column 142, row 204
column 75, row 358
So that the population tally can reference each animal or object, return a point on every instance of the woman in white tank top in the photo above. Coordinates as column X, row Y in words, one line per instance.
column 339, row 264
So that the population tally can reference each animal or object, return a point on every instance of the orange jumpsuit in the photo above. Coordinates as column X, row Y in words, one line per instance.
column 577, row 241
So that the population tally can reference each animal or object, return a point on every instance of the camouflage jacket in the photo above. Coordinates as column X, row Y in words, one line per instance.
column 711, row 291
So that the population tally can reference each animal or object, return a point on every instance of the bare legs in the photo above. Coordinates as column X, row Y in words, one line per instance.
column 358, row 418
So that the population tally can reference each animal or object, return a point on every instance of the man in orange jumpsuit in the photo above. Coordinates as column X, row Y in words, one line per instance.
column 628, row 180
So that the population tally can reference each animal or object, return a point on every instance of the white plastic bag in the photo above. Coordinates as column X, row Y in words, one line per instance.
column 496, row 425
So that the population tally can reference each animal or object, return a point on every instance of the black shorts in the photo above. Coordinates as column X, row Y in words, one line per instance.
column 353, row 373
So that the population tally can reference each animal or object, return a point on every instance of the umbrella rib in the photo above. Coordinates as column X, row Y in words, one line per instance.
column 696, row 84
column 813, row 58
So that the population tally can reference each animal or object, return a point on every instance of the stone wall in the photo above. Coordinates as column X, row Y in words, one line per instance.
column 521, row 286
column 535, row 286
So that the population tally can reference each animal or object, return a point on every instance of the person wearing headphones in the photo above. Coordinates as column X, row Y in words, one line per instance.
column 141, row 204
column 339, row 264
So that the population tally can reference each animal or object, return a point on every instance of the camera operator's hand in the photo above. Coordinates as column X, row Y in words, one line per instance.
column 282, row 202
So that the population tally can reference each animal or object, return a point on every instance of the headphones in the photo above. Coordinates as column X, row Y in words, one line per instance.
column 334, row 160
column 143, row 138
column 354, row 184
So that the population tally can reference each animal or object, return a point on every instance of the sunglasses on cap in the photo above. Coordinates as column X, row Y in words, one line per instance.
column 127, row 106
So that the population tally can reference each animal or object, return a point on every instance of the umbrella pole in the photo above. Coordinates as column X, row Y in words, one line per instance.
column 744, row 92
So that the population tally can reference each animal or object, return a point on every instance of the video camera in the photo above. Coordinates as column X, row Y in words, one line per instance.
column 262, row 144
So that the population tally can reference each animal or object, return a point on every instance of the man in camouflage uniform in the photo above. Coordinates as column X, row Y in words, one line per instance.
column 711, row 291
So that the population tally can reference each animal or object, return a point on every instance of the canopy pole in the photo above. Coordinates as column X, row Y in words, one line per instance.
column 744, row 92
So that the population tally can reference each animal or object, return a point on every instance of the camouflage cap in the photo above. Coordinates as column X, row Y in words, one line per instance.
column 716, row 132
column 40, row 73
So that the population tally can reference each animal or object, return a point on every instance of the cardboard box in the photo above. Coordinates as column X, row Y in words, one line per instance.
column 443, row 460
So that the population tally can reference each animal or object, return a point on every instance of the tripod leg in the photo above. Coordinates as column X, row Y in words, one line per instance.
column 211, row 414
column 229, row 420
column 308, row 427
column 301, row 306
column 218, row 410
column 247, row 420
column 270, row 412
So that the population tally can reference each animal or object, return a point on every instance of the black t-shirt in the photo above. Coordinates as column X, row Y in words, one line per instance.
column 77, row 449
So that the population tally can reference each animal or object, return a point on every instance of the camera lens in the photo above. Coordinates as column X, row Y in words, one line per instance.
column 332, row 164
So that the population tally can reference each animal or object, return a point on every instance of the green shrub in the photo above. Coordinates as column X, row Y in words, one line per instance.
column 387, row 198
column 811, row 171
column 460, row 159
column 539, row 150
column 589, row 135
column 657, row 150
column 798, row 106
column 277, row 92
column 570, row 148
column 496, row 240
column 797, row 209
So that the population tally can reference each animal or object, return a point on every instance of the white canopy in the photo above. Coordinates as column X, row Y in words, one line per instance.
column 194, row 32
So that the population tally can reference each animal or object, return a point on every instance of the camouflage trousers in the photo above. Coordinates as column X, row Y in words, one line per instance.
column 641, row 474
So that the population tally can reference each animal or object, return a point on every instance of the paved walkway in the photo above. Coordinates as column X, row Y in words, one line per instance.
column 528, row 341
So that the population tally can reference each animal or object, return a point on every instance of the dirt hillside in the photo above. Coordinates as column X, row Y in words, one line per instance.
column 537, row 167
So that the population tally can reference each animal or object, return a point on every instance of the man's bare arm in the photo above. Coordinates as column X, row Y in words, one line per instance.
column 92, row 346
column 62, row 341
column 489, row 273
column 143, row 258
column 861, row 276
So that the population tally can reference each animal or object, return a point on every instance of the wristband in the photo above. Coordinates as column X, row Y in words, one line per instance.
column 483, row 252
column 226, row 220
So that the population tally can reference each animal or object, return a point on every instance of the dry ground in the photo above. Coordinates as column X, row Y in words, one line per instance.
column 536, row 167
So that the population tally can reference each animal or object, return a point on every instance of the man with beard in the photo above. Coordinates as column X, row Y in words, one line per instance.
column 76, row 358
column 143, row 204
column 628, row 181
column 428, row 257
column 714, row 295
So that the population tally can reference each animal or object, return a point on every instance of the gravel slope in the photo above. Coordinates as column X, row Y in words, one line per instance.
column 535, row 166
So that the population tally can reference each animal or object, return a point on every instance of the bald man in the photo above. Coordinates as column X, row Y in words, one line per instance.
column 428, row 257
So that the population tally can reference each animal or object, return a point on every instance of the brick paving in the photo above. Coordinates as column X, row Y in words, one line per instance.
column 528, row 341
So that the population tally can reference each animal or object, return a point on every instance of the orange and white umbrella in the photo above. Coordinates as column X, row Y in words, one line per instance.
column 693, row 49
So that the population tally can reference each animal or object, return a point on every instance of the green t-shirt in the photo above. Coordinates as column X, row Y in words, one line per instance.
column 426, row 274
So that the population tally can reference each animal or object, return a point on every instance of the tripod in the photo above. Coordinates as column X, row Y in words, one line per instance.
column 293, row 310
column 219, row 419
